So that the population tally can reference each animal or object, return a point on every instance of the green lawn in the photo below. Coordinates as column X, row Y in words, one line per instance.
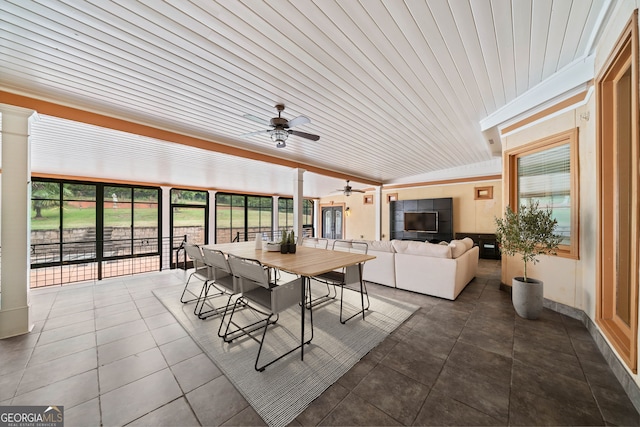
column 75, row 217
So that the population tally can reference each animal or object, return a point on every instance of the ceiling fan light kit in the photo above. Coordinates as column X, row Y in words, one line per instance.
column 279, row 136
column 281, row 128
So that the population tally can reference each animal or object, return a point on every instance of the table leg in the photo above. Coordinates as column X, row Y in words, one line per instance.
column 361, row 290
column 303, row 301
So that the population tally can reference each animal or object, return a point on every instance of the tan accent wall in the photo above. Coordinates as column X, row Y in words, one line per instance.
column 469, row 215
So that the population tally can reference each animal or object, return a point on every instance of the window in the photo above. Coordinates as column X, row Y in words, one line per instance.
column 240, row 217
column 546, row 171
column 85, row 231
column 285, row 214
column 259, row 216
column 189, row 213
column 618, row 146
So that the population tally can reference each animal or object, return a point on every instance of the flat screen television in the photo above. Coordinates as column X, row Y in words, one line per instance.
column 426, row 222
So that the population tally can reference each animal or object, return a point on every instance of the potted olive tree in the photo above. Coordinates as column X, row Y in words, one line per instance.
column 529, row 233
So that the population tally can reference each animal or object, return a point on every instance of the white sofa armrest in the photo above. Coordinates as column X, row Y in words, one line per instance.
column 380, row 270
column 439, row 277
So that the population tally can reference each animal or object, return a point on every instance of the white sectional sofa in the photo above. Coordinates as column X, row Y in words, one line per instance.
column 432, row 269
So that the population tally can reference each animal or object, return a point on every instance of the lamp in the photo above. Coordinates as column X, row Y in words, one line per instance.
column 347, row 211
column 279, row 136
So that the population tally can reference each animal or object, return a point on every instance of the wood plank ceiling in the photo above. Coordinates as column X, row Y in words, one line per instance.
column 395, row 89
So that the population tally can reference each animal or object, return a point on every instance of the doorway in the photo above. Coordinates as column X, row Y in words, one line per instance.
column 332, row 222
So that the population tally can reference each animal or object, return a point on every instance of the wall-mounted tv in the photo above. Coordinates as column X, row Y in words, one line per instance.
column 426, row 222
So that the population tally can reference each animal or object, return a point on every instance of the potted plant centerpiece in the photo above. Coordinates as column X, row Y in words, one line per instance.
column 284, row 243
column 528, row 232
column 292, row 243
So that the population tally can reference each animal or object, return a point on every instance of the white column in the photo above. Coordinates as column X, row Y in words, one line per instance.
column 317, row 216
column 377, row 199
column 276, row 219
column 212, row 216
column 15, row 306
column 298, row 197
column 165, row 212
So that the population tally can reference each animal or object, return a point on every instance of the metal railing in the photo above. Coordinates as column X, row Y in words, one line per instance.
column 275, row 235
column 68, row 262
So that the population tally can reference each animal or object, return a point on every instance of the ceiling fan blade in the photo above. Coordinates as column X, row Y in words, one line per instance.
column 304, row 135
column 300, row 120
column 256, row 119
column 357, row 191
column 246, row 135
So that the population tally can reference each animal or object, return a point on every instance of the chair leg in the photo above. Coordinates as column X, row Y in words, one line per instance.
column 363, row 294
column 184, row 291
column 322, row 298
column 264, row 333
column 240, row 331
column 224, row 316
column 205, row 300
column 201, row 297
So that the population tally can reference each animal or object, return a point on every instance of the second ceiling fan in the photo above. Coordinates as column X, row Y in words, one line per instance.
column 281, row 127
column 347, row 190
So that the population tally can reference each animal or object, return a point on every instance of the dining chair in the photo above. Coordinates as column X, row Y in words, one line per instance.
column 264, row 297
column 200, row 272
column 349, row 278
column 221, row 281
column 314, row 242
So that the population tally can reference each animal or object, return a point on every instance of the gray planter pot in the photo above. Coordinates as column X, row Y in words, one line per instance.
column 527, row 297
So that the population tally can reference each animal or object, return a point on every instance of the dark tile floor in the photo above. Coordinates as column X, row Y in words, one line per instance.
column 475, row 362
column 111, row 354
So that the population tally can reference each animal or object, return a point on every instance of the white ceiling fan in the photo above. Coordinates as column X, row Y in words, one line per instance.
column 281, row 127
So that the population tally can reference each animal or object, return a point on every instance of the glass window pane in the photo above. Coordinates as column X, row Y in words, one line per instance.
column 148, row 195
column 117, row 194
column 117, row 208
column 188, row 197
column 223, row 218
column 545, row 177
column 78, row 192
column 624, row 220
column 79, row 221
column 45, row 222
column 189, row 222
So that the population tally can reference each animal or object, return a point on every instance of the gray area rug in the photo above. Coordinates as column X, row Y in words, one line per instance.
column 288, row 386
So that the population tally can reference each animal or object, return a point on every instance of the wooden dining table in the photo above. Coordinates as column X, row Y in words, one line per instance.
column 306, row 262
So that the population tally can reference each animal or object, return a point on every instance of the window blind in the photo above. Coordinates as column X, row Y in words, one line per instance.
column 545, row 174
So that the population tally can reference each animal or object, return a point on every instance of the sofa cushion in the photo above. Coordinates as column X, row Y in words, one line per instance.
column 380, row 245
column 458, row 248
column 419, row 248
column 468, row 241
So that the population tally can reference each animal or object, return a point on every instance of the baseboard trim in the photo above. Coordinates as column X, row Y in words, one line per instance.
column 623, row 376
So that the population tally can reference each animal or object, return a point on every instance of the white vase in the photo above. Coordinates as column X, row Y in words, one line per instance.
column 527, row 297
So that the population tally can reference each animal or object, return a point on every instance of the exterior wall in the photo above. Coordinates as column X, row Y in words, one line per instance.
column 568, row 281
column 558, row 274
column 469, row 215
column 620, row 17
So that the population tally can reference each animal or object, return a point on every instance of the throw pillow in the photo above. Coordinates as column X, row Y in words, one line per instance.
column 468, row 241
column 457, row 248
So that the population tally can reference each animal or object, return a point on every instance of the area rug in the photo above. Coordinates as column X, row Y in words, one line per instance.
column 287, row 387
